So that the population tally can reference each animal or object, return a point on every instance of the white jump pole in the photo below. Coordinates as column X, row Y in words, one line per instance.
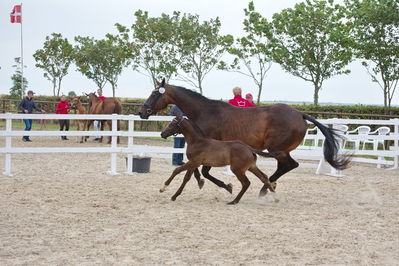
column 129, row 167
column 114, row 141
column 7, row 158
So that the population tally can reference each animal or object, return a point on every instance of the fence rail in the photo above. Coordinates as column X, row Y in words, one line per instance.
column 303, row 152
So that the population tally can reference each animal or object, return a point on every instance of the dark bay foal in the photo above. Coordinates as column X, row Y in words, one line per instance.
column 202, row 150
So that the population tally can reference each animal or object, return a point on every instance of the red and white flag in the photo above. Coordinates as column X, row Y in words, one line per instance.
column 16, row 14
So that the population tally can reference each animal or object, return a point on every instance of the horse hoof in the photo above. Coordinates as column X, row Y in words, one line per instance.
column 229, row 188
column 231, row 203
column 201, row 183
column 262, row 192
column 273, row 184
column 161, row 190
column 173, row 198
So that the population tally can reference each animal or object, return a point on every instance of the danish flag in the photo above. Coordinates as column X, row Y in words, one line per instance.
column 16, row 14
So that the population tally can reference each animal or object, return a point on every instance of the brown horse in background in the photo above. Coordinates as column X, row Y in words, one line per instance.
column 81, row 110
column 106, row 106
column 202, row 150
column 277, row 128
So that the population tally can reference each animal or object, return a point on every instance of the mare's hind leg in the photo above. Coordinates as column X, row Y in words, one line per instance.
column 262, row 176
column 205, row 173
column 244, row 182
column 88, row 124
column 284, row 165
column 197, row 176
column 109, row 123
column 183, row 184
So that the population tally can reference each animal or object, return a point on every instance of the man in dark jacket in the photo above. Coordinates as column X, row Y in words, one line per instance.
column 179, row 142
column 26, row 106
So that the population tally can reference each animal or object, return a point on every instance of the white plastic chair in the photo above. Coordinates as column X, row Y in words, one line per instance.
column 361, row 131
column 314, row 141
column 381, row 131
column 341, row 130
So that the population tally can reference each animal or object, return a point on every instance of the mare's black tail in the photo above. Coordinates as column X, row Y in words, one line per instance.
column 331, row 146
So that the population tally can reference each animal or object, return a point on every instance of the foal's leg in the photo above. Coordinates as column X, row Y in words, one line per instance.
column 244, row 182
column 262, row 176
column 187, row 177
column 178, row 170
column 205, row 173
column 284, row 165
column 197, row 176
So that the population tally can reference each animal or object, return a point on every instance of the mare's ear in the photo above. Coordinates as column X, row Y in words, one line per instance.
column 157, row 84
column 163, row 82
column 86, row 94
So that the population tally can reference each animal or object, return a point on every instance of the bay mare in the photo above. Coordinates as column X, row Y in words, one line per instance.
column 277, row 128
column 202, row 150
column 106, row 106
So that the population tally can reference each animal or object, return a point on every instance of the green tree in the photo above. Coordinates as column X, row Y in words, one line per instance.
column 71, row 94
column 375, row 31
column 311, row 41
column 55, row 59
column 15, row 90
column 149, row 42
column 200, row 47
column 251, row 52
column 89, row 60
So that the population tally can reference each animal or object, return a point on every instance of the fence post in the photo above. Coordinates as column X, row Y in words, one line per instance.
column 129, row 166
column 7, row 158
column 396, row 144
column 114, row 140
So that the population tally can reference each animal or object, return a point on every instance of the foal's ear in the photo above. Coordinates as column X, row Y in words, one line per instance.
column 163, row 82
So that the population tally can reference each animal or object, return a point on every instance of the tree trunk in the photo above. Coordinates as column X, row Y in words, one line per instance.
column 316, row 94
column 59, row 87
column 113, row 89
column 259, row 93
column 54, row 86
column 200, row 86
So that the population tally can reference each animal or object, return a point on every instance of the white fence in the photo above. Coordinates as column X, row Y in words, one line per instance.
column 303, row 152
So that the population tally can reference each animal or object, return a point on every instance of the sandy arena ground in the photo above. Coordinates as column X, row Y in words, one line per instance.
column 63, row 209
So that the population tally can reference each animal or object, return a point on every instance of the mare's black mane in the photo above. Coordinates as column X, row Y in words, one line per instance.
column 199, row 96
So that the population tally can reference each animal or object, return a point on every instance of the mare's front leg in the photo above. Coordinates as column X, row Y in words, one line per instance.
column 205, row 173
column 189, row 165
column 187, row 177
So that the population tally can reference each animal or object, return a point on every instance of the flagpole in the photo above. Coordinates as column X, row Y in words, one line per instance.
column 22, row 59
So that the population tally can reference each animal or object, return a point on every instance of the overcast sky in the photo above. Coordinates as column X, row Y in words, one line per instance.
column 97, row 18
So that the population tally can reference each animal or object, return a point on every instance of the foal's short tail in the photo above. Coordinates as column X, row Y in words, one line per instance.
column 331, row 146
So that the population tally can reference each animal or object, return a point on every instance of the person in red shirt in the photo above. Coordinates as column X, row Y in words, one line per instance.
column 100, row 94
column 250, row 98
column 96, row 124
column 238, row 100
column 63, row 107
